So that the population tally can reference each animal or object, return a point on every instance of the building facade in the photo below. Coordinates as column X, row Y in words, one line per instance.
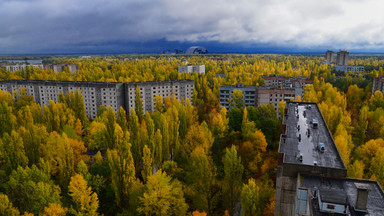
column 346, row 68
column 249, row 93
column 266, row 95
column 276, row 89
column 329, row 56
column 378, row 84
column 60, row 67
column 342, row 58
column 19, row 67
column 285, row 82
column 95, row 94
column 200, row 69
column 311, row 175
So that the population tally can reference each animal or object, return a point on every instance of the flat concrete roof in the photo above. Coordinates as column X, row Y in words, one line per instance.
column 296, row 143
column 54, row 82
column 344, row 191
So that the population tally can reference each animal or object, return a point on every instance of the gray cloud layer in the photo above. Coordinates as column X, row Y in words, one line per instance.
column 36, row 25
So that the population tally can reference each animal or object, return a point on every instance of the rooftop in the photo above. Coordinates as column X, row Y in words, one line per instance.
column 304, row 134
column 344, row 192
column 90, row 83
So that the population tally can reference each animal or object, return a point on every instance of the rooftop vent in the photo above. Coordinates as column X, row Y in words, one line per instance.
column 362, row 196
column 321, row 147
column 300, row 157
column 315, row 123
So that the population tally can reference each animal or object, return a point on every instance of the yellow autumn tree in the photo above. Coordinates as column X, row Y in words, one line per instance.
column 54, row 209
column 85, row 202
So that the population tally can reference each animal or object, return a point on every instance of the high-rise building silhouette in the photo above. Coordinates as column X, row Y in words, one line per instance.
column 342, row 58
column 329, row 56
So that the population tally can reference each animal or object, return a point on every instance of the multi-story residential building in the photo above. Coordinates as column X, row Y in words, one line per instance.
column 378, row 84
column 102, row 93
column 60, row 67
column 287, row 82
column 276, row 89
column 180, row 89
column 350, row 68
column 329, row 56
column 311, row 175
column 249, row 93
column 200, row 69
column 16, row 67
column 256, row 95
column 342, row 58
column 266, row 95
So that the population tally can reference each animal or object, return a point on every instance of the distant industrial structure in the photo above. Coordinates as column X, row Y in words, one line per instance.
column 276, row 89
column 341, row 62
column 311, row 175
column 196, row 50
column 200, row 69
column 96, row 94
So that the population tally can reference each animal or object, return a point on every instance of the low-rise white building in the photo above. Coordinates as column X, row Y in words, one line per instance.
column 200, row 69
column 17, row 67
column 346, row 68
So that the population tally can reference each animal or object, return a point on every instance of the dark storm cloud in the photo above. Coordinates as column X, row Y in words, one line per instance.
column 81, row 25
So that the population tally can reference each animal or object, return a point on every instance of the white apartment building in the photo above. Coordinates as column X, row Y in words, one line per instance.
column 98, row 93
column 200, row 69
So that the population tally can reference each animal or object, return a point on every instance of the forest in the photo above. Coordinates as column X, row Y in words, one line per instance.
column 183, row 159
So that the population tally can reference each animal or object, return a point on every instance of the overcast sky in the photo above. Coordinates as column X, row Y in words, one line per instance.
column 81, row 26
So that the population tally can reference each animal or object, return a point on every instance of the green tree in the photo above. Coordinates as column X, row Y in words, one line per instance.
column 96, row 181
column 134, row 129
column 12, row 152
column 237, row 99
column 250, row 199
column 74, row 100
column 201, row 174
column 147, row 163
column 361, row 127
column 33, row 137
column 159, row 106
column 122, row 119
column 31, row 189
column 95, row 137
column 220, row 123
column 233, row 177
column 198, row 136
column 59, row 154
column 138, row 102
column 109, row 117
column 122, row 168
column 235, row 119
column 158, row 151
column 356, row 170
column 7, row 119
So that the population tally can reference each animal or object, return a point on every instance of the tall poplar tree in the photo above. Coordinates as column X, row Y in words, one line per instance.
column 233, row 177
column 138, row 102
